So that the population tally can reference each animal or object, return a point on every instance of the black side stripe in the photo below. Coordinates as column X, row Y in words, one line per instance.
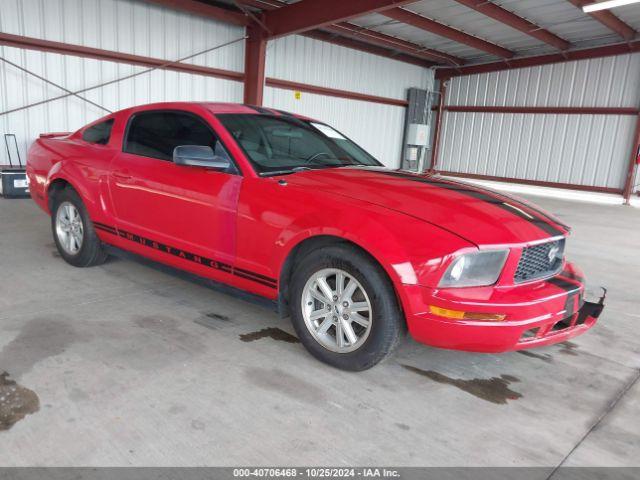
column 106, row 228
column 485, row 197
column 192, row 257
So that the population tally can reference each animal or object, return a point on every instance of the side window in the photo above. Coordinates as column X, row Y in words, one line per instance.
column 157, row 134
column 99, row 133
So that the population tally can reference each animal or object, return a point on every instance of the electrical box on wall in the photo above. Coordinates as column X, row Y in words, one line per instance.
column 418, row 134
column 417, row 130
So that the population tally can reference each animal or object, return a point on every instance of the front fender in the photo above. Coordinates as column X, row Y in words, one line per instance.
column 410, row 250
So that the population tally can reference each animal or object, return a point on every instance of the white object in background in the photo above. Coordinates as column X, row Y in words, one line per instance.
column 412, row 154
column 550, row 192
column 328, row 131
column 594, row 7
column 418, row 134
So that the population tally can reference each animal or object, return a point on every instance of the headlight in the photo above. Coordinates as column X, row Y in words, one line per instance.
column 475, row 269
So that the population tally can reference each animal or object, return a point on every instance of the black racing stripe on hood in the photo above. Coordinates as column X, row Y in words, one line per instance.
column 264, row 111
column 564, row 284
column 485, row 197
column 284, row 113
column 528, row 205
column 573, row 292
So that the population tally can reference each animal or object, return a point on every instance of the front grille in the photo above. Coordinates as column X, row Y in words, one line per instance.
column 540, row 261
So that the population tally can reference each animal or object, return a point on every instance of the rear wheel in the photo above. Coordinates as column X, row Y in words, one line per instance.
column 73, row 231
column 344, row 309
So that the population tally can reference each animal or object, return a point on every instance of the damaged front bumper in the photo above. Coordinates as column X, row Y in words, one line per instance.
column 568, row 327
column 537, row 314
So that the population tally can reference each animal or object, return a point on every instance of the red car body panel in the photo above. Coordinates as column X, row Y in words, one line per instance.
column 239, row 229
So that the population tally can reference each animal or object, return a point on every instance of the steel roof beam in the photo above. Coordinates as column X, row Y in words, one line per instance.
column 309, row 14
column 356, row 44
column 428, row 25
column 204, row 10
column 608, row 19
column 514, row 21
column 360, row 38
column 583, row 54
column 371, row 36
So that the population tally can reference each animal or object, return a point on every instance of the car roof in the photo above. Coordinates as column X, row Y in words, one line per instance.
column 219, row 108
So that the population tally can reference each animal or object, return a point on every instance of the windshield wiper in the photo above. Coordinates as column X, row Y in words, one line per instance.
column 284, row 172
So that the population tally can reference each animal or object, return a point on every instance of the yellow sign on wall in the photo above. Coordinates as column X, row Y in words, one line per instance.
column 297, row 95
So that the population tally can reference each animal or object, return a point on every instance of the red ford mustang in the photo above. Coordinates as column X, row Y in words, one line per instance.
column 288, row 208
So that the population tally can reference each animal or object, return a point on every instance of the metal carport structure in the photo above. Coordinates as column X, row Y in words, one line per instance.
column 470, row 44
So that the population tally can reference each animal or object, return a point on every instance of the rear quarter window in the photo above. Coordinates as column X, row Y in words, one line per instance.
column 99, row 133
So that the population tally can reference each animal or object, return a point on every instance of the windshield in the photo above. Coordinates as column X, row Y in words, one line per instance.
column 286, row 144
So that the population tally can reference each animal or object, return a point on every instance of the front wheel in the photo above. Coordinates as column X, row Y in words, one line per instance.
column 344, row 309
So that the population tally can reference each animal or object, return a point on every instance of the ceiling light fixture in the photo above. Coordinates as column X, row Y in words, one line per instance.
column 594, row 7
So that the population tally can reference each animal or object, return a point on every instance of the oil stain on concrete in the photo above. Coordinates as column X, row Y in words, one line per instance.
column 165, row 341
column 495, row 390
column 213, row 320
column 16, row 402
column 38, row 339
column 269, row 332
column 545, row 357
column 568, row 348
column 218, row 316
column 279, row 381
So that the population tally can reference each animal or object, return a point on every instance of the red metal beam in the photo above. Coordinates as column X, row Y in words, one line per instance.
column 119, row 57
column 354, row 31
column 538, row 183
column 373, row 41
column 514, row 21
column 442, row 30
column 263, row 4
column 633, row 161
column 545, row 110
column 438, row 125
column 587, row 53
column 310, row 14
column 332, row 92
column 111, row 56
column 255, row 49
column 608, row 19
column 204, row 10
column 367, row 47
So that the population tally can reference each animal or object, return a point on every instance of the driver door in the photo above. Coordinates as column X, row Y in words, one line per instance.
column 174, row 208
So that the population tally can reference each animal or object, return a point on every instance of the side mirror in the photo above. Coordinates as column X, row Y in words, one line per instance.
column 199, row 156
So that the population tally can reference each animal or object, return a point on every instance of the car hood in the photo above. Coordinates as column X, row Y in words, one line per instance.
column 479, row 215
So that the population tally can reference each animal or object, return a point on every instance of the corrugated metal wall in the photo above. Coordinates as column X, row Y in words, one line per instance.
column 140, row 28
column 579, row 149
column 378, row 128
column 120, row 25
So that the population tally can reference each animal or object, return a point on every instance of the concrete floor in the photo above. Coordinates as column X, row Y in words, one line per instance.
column 116, row 368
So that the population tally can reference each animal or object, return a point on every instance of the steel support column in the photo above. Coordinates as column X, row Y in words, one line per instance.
column 633, row 160
column 254, row 65
column 438, row 125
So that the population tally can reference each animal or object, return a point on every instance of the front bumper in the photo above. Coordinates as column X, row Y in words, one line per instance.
column 539, row 313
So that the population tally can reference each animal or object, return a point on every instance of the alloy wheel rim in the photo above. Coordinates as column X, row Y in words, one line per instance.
column 336, row 310
column 69, row 228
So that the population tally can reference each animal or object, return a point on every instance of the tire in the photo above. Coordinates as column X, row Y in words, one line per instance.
column 372, row 288
column 88, row 250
